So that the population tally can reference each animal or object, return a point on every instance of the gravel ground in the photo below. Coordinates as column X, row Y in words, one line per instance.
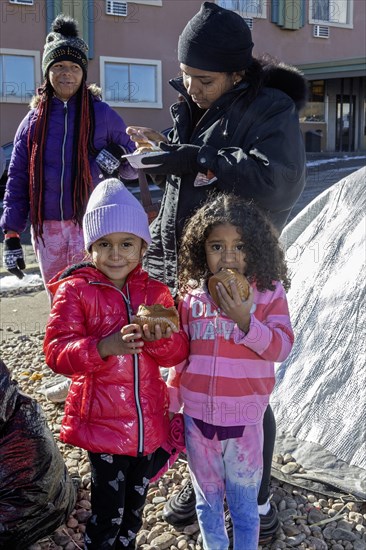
column 307, row 520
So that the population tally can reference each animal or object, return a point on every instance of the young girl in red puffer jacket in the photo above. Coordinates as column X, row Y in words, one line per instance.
column 117, row 406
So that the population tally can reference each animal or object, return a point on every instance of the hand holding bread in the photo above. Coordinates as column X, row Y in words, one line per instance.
column 232, row 292
column 157, row 321
column 145, row 138
column 224, row 276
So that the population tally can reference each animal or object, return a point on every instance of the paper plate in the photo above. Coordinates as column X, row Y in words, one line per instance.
column 135, row 160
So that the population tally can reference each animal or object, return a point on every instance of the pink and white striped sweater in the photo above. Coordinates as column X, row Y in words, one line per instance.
column 228, row 376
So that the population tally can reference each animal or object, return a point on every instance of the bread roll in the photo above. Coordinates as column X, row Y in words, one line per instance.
column 224, row 276
column 146, row 147
column 157, row 315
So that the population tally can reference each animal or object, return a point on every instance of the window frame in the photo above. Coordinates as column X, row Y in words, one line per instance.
column 347, row 25
column 22, row 2
column 133, row 61
column 157, row 3
column 308, row 112
column 35, row 54
column 248, row 14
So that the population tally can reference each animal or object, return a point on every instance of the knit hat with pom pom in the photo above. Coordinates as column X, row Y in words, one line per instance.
column 64, row 44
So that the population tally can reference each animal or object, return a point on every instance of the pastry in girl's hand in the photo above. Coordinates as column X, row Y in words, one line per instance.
column 224, row 276
column 157, row 315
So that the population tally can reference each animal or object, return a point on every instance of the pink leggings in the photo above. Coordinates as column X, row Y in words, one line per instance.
column 63, row 246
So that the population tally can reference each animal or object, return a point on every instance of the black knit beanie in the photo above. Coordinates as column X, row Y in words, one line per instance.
column 217, row 40
column 64, row 44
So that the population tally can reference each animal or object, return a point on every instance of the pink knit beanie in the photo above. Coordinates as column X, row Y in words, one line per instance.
column 113, row 209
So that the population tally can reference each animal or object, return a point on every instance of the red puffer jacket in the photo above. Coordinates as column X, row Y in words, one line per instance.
column 116, row 405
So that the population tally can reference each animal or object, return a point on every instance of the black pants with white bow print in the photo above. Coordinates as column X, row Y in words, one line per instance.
column 118, row 493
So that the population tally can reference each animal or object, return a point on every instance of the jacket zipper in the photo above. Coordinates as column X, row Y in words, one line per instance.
column 136, row 379
column 63, row 161
column 136, row 384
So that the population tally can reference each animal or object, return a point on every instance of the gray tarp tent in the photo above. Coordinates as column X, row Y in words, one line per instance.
column 320, row 396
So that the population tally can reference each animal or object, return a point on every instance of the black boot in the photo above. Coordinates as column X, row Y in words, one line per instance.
column 269, row 525
column 180, row 509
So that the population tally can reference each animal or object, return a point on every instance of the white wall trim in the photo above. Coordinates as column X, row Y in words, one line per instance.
column 157, row 3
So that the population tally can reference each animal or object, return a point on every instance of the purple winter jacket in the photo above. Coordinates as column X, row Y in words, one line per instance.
column 109, row 127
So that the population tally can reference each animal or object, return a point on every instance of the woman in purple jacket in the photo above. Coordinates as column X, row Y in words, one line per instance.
column 66, row 145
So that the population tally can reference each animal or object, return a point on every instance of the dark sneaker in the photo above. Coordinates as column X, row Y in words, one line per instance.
column 229, row 528
column 269, row 525
column 180, row 509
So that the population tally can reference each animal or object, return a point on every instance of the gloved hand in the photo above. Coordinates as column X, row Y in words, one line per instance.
column 110, row 158
column 176, row 159
column 13, row 257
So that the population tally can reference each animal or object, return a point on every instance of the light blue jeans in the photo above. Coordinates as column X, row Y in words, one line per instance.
column 231, row 468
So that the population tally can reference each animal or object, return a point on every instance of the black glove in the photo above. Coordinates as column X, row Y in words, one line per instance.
column 176, row 159
column 13, row 256
column 110, row 158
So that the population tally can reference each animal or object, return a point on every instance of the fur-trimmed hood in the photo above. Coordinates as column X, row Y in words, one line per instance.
column 288, row 79
column 95, row 90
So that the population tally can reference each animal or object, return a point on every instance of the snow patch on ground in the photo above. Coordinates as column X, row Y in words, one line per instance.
column 11, row 282
column 317, row 162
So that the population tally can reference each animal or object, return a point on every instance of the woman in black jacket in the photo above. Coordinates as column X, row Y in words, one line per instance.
column 236, row 129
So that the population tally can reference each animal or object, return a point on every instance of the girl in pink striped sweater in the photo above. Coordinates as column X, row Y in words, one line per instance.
column 225, row 384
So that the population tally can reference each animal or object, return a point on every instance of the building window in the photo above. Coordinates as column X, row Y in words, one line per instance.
column 246, row 8
column 337, row 13
column 18, row 70
column 315, row 107
column 131, row 82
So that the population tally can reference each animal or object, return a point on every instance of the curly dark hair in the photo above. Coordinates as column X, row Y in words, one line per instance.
column 263, row 254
